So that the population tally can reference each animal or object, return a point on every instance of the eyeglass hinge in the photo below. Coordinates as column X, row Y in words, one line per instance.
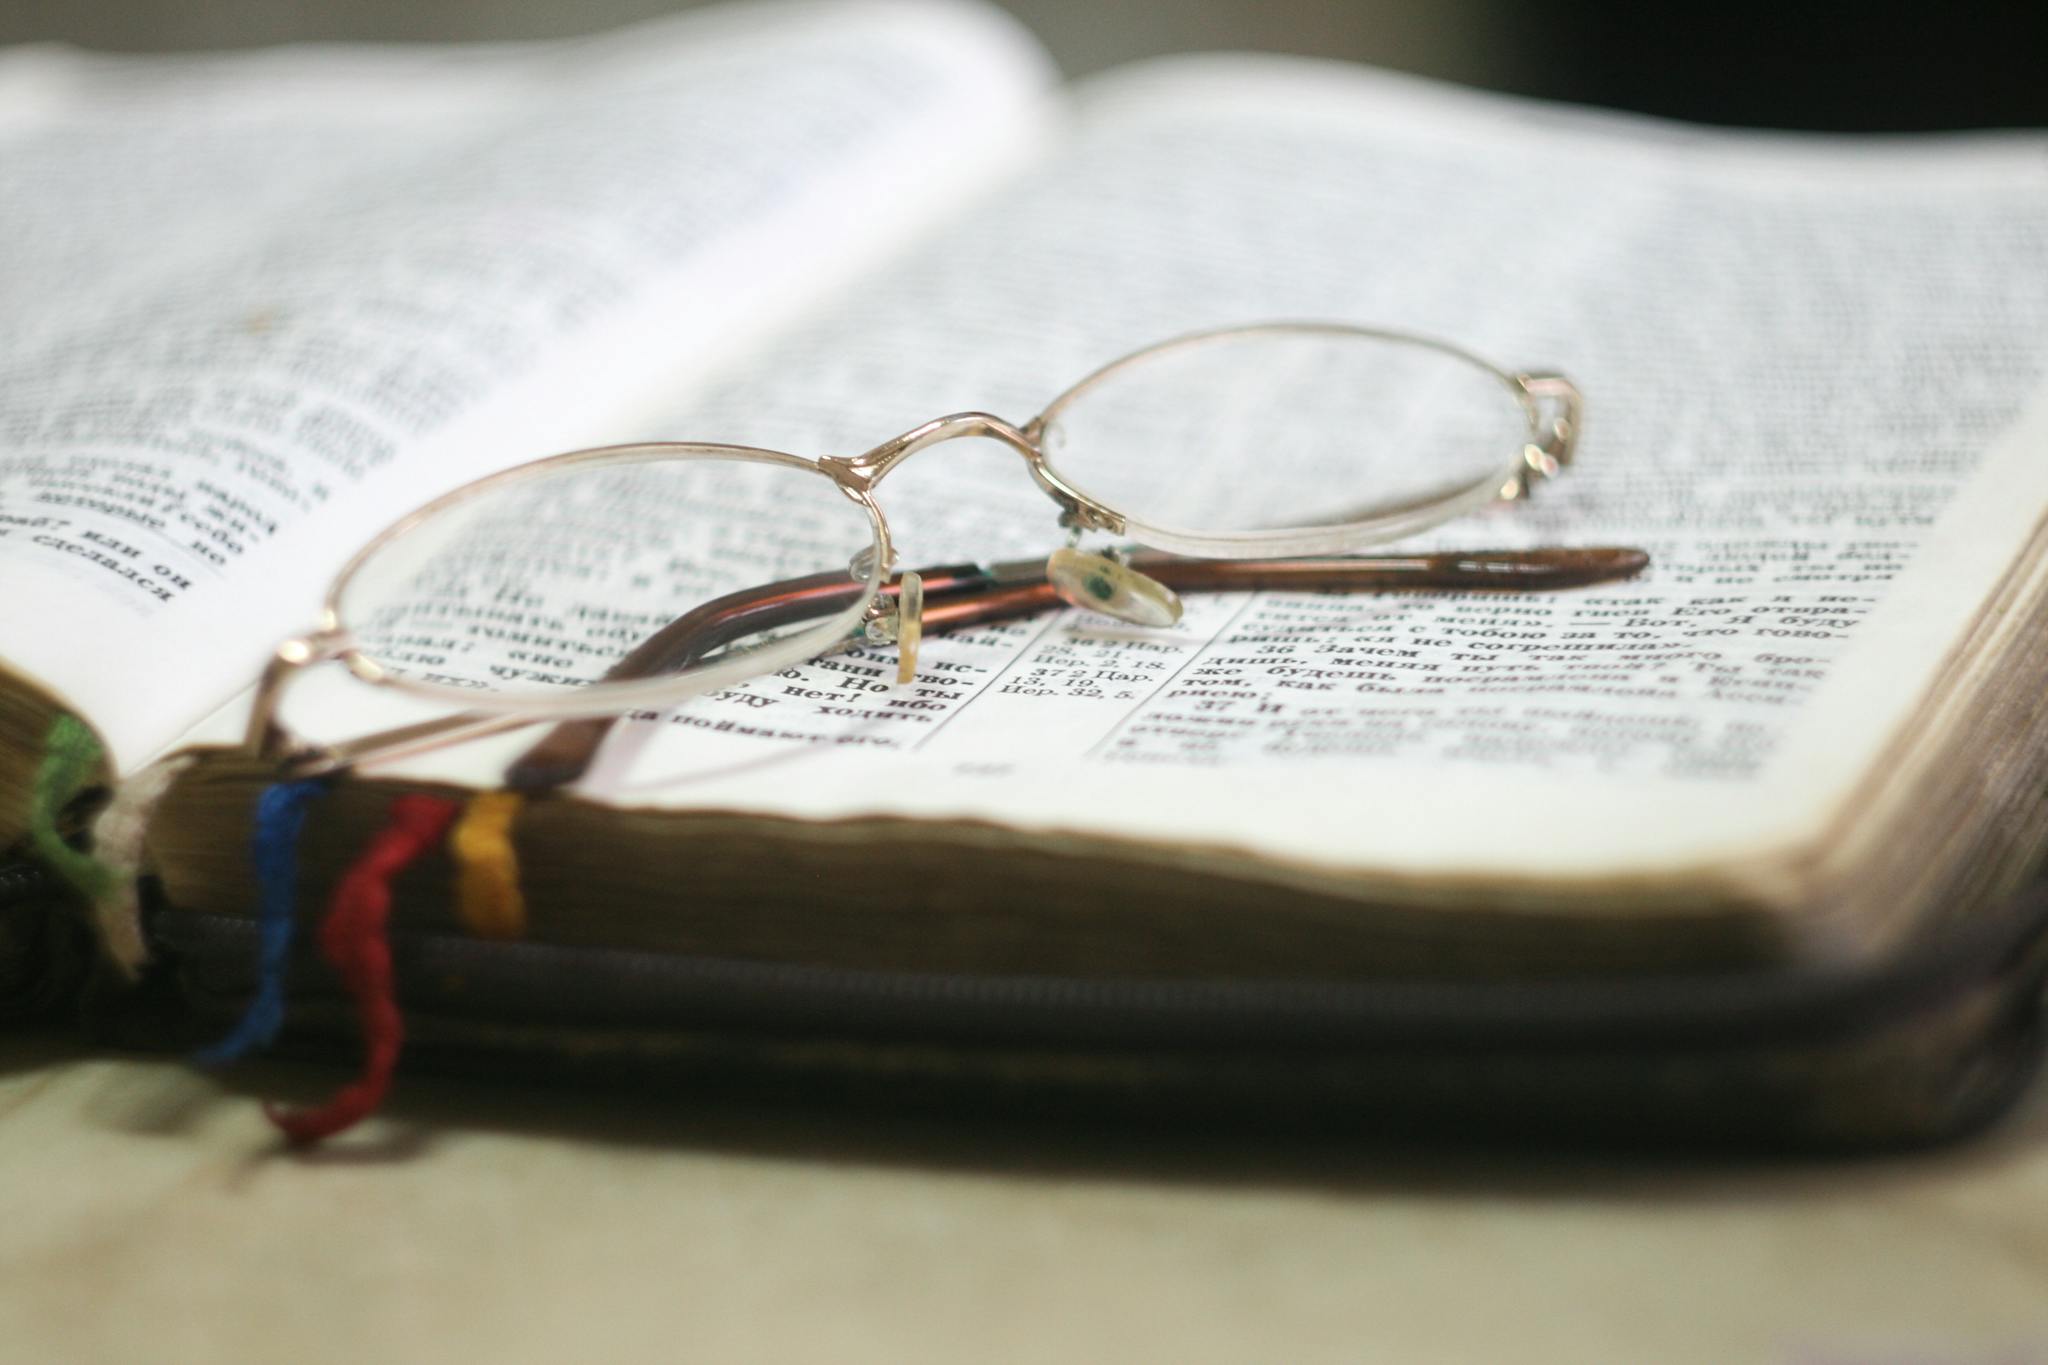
column 265, row 735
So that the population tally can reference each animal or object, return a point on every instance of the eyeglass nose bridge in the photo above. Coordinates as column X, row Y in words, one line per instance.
column 859, row 474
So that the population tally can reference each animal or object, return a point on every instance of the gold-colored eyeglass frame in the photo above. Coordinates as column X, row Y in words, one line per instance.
column 827, row 611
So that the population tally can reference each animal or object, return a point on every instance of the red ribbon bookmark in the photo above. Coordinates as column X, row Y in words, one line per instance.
column 353, row 940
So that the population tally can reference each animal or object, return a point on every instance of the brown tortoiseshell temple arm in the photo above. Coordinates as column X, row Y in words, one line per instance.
column 960, row 596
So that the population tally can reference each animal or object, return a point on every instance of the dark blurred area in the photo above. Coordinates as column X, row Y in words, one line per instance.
column 1871, row 67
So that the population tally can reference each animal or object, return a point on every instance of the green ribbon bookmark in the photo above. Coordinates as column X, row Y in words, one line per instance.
column 71, row 759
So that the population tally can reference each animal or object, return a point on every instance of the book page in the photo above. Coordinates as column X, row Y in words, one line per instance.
column 260, row 305
column 1806, row 364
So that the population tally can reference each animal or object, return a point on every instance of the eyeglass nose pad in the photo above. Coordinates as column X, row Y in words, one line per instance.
column 909, row 624
column 1099, row 583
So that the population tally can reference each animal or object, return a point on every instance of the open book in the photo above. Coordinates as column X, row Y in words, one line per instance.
column 261, row 305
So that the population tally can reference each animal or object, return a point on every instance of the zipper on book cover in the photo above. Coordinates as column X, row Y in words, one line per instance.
column 542, row 985
column 23, row 881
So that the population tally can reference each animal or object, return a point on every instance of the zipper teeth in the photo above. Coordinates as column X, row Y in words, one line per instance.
column 1718, row 1012
column 20, row 881
column 550, row 986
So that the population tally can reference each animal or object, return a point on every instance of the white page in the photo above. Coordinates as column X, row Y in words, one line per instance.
column 1800, row 355
column 259, row 305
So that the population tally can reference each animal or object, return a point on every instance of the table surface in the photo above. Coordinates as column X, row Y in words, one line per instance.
column 151, row 1214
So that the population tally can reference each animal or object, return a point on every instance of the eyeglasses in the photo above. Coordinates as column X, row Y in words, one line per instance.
column 581, row 587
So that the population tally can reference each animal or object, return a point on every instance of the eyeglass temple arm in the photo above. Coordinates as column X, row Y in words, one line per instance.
column 961, row 596
column 675, row 646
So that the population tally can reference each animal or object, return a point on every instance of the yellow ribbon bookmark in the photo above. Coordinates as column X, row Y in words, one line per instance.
column 487, row 894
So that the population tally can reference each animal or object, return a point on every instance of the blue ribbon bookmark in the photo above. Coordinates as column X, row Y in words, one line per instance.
column 274, row 849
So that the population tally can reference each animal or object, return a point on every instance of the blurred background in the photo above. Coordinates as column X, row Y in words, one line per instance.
column 1875, row 66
